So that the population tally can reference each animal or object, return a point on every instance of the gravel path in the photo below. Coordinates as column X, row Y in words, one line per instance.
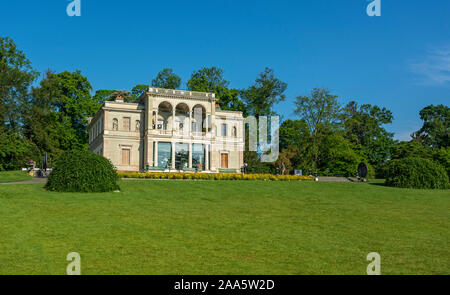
column 338, row 179
column 33, row 181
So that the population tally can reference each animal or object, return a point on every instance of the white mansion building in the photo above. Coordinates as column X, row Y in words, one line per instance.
column 169, row 130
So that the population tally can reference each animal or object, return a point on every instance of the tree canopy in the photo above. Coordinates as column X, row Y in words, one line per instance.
column 166, row 79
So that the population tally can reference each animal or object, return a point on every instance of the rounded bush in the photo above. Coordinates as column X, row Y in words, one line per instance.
column 415, row 173
column 82, row 171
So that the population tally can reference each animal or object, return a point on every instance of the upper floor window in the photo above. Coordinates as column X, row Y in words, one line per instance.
column 224, row 130
column 138, row 125
column 126, row 123
column 115, row 124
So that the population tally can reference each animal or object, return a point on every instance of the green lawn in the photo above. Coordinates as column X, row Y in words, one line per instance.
column 13, row 176
column 221, row 227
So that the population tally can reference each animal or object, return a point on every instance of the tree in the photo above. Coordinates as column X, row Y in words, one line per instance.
column 264, row 93
column 228, row 99
column 207, row 80
column 293, row 133
column 363, row 126
column 124, row 94
column 56, row 120
column 138, row 90
column 167, row 79
column 16, row 77
column 435, row 131
column 320, row 110
column 212, row 80
column 102, row 95
column 337, row 154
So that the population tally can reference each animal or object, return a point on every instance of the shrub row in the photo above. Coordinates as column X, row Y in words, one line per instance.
column 210, row 176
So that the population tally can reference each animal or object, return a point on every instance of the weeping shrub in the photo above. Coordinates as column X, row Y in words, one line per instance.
column 415, row 173
column 82, row 171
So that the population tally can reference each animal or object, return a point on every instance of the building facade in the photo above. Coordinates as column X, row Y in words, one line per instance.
column 169, row 130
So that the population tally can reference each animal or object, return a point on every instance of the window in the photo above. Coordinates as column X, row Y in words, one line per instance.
column 115, row 124
column 125, row 156
column 224, row 130
column 138, row 125
column 126, row 123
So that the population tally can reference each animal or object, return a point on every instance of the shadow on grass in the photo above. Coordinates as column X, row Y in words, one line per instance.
column 379, row 182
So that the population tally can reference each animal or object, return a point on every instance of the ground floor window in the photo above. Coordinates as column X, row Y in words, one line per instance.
column 164, row 154
column 198, row 156
column 125, row 156
column 181, row 156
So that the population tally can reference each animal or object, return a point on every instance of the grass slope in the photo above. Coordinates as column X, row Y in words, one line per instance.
column 13, row 176
column 219, row 227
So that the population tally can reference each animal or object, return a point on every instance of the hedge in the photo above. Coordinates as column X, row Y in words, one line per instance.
column 211, row 176
column 416, row 173
column 82, row 171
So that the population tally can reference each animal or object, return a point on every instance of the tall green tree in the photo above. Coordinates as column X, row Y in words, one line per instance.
column 167, row 79
column 363, row 126
column 212, row 80
column 207, row 80
column 259, row 98
column 61, row 105
column 16, row 78
column 435, row 131
column 264, row 93
column 293, row 133
column 320, row 110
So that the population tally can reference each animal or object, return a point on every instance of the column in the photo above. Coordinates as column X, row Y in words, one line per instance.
column 190, row 123
column 190, row 155
column 155, row 162
column 207, row 157
column 149, row 153
column 173, row 120
column 173, row 155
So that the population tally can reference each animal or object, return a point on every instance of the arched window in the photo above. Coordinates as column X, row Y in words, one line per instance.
column 115, row 124
column 138, row 126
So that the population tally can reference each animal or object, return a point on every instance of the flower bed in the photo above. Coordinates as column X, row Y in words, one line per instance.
column 210, row 176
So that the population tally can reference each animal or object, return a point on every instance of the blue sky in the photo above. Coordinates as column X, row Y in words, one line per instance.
column 400, row 60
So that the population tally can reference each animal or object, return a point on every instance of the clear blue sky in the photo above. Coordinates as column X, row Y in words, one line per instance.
column 400, row 60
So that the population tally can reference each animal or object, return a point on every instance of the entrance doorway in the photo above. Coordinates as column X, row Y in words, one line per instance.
column 224, row 161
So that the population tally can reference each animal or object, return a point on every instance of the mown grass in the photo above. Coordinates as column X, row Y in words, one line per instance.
column 219, row 227
column 13, row 176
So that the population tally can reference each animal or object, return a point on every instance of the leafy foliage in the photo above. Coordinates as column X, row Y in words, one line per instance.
column 264, row 93
column 56, row 119
column 363, row 127
column 415, row 173
column 82, row 171
column 167, row 79
column 15, row 151
column 207, row 79
column 16, row 77
column 435, row 131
